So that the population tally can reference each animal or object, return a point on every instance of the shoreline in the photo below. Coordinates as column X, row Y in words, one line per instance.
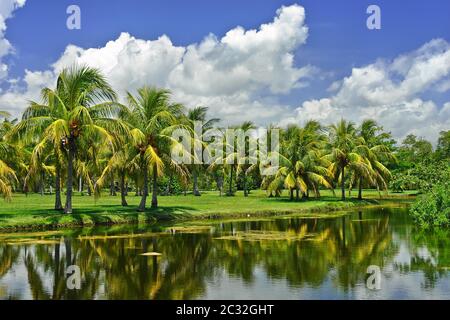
column 163, row 214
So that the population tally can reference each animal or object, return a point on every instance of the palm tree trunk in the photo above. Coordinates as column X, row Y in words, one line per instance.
column 360, row 188
column 71, row 157
column 297, row 194
column 169, row 188
column 145, row 191
column 220, row 184
column 58, row 204
column 155, row 188
column 343, row 182
column 41, row 186
column 244, row 182
column 112, row 188
column 122, row 189
column 195, row 177
column 230, row 187
column 80, row 184
column 291, row 194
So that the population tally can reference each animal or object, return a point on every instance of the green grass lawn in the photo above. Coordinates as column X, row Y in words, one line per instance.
column 35, row 211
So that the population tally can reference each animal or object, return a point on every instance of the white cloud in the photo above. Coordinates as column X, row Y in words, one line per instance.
column 246, row 60
column 128, row 62
column 7, row 8
column 16, row 99
column 334, row 86
column 443, row 86
column 242, row 75
column 390, row 92
column 236, row 75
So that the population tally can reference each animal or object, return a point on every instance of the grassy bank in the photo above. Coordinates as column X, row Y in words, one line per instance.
column 35, row 211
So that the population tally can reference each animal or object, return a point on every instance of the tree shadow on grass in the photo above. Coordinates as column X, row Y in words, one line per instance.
column 101, row 215
column 110, row 214
column 171, row 212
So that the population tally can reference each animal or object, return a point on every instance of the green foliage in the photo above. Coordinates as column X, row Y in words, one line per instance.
column 401, row 182
column 226, row 185
column 252, row 181
column 443, row 146
column 431, row 174
column 423, row 176
column 169, row 186
column 433, row 208
column 412, row 151
column 79, row 132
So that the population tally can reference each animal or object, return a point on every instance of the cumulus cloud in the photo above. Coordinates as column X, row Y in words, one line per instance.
column 235, row 75
column 16, row 99
column 244, row 73
column 390, row 92
column 7, row 8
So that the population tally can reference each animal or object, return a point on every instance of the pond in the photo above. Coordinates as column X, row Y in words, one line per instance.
column 272, row 258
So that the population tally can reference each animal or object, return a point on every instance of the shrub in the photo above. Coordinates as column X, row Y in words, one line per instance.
column 433, row 208
column 422, row 177
column 401, row 182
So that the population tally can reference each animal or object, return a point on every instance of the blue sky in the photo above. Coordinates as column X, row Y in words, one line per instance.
column 337, row 38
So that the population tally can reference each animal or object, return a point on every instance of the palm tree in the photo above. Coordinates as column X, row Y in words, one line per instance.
column 248, row 163
column 267, row 181
column 374, row 151
column 198, row 114
column 229, row 160
column 152, row 116
column 7, row 174
column 344, row 151
column 7, row 178
column 39, row 167
column 92, row 153
column 81, row 105
column 302, row 168
column 121, row 162
column 253, row 161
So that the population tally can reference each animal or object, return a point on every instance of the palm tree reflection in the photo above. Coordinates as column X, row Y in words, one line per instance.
column 337, row 250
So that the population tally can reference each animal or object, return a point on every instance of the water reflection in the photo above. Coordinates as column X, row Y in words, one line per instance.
column 287, row 258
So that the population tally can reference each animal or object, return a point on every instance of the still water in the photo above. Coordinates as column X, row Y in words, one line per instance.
column 276, row 258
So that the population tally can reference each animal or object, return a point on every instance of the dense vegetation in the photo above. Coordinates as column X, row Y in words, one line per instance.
column 80, row 136
column 433, row 208
column 421, row 168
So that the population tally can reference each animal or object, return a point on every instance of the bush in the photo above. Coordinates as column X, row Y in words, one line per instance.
column 423, row 176
column 401, row 182
column 433, row 208
column 169, row 186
